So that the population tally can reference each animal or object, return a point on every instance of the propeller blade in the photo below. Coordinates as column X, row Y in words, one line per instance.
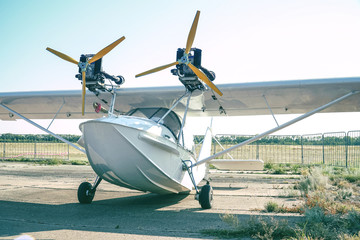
column 107, row 49
column 204, row 78
column 192, row 33
column 157, row 69
column 83, row 92
column 63, row 56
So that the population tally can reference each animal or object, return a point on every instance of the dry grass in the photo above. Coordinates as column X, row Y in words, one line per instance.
column 331, row 210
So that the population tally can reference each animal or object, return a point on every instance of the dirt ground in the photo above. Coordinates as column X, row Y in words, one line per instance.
column 41, row 202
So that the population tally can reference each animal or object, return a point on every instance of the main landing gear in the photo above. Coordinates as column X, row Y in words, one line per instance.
column 205, row 196
column 86, row 191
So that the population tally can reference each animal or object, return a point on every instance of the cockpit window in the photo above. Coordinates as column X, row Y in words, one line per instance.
column 171, row 121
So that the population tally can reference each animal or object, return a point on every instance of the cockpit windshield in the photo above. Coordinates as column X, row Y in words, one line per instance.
column 171, row 121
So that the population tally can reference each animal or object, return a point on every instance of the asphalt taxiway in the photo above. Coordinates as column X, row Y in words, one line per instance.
column 40, row 202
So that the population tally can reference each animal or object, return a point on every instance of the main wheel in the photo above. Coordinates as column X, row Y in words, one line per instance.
column 206, row 196
column 84, row 194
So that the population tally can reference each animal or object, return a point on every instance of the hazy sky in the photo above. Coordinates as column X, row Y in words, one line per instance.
column 242, row 41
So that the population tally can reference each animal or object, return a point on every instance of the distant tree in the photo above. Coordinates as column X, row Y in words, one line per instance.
column 8, row 137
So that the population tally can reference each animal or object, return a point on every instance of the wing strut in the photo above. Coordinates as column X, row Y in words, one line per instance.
column 56, row 114
column 42, row 128
column 308, row 114
column 183, row 121
column 173, row 106
column 267, row 104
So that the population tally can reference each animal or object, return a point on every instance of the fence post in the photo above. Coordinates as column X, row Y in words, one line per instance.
column 257, row 150
column 323, row 147
column 346, row 148
column 34, row 150
column 4, row 151
column 302, row 150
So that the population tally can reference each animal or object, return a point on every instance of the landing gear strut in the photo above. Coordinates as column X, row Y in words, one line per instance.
column 205, row 195
column 86, row 191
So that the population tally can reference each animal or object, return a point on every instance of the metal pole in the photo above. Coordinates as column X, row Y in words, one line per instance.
column 323, row 148
column 184, row 120
column 173, row 106
column 4, row 152
column 112, row 104
column 56, row 113
column 302, row 151
column 346, row 148
column 34, row 150
column 267, row 104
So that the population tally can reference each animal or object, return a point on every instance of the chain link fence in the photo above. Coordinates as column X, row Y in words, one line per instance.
column 336, row 149
column 38, row 150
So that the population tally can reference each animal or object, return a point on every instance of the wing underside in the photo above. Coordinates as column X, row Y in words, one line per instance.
column 283, row 97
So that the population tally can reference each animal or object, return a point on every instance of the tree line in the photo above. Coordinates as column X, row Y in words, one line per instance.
column 285, row 140
column 8, row 137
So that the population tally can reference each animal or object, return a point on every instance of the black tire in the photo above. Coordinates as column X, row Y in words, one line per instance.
column 84, row 195
column 206, row 196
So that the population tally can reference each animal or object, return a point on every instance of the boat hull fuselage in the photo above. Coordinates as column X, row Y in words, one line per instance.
column 137, row 153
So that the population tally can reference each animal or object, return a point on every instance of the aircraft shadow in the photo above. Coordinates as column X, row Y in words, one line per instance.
column 140, row 214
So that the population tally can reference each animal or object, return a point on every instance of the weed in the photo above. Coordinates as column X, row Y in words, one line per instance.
column 268, row 166
column 278, row 171
column 289, row 193
column 315, row 180
column 79, row 162
column 285, row 168
column 351, row 237
column 319, row 225
column 352, row 178
column 230, row 219
column 51, row 161
column 344, row 194
column 271, row 207
column 277, row 186
column 330, row 211
column 256, row 227
column 274, row 207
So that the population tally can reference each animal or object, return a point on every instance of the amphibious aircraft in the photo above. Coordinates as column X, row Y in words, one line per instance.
column 137, row 138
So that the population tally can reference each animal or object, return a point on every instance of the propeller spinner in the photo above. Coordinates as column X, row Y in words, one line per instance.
column 185, row 59
column 84, row 65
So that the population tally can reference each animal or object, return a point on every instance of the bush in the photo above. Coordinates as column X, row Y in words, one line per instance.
column 271, row 207
column 256, row 227
column 319, row 225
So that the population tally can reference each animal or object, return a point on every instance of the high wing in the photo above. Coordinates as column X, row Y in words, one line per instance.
column 283, row 97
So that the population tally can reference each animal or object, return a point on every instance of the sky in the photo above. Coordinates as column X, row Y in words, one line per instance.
column 242, row 41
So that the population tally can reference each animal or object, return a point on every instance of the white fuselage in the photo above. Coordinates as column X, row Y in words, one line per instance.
column 138, row 153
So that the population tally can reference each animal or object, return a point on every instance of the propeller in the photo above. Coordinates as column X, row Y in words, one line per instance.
column 84, row 65
column 185, row 59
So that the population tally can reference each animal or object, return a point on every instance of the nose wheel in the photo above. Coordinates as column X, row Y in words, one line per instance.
column 86, row 191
